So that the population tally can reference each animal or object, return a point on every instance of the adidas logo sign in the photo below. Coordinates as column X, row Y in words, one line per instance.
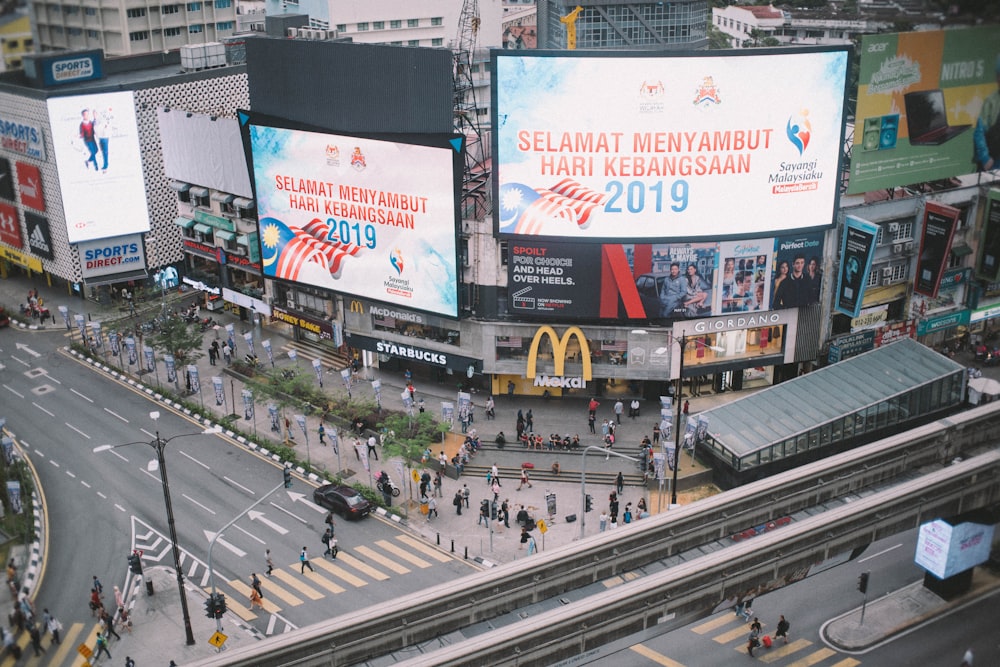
column 37, row 240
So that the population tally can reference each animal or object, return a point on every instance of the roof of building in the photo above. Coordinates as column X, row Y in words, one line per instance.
column 796, row 406
column 764, row 11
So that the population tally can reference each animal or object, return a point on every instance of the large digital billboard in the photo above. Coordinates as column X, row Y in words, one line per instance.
column 927, row 107
column 663, row 281
column 599, row 147
column 96, row 144
column 362, row 216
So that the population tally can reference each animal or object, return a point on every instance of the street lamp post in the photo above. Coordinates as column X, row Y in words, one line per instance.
column 158, row 445
column 583, row 480
column 682, row 342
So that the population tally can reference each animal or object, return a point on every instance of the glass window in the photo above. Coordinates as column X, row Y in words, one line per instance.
column 883, row 414
column 194, row 6
column 362, row 27
column 412, row 23
column 750, row 461
column 170, row 9
column 824, row 435
column 225, row 25
column 196, row 28
column 90, row 11
column 800, row 443
column 136, row 13
column 341, row 27
column 437, row 20
column 413, row 42
column 837, row 431
column 223, row 4
column 171, row 32
column 139, row 36
column 814, row 438
column 765, row 455
column 437, row 41
column 378, row 25
column 395, row 25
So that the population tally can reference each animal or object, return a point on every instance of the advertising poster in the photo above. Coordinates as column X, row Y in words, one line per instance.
column 364, row 217
column 746, row 276
column 10, row 226
column 110, row 256
column 96, row 143
column 927, row 107
column 677, row 147
column 939, row 227
column 6, row 180
column 29, row 182
column 798, row 270
column 988, row 266
column 39, row 237
column 856, row 254
column 553, row 278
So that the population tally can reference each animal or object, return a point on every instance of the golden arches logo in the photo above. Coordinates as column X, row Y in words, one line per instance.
column 357, row 307
column 559, row 351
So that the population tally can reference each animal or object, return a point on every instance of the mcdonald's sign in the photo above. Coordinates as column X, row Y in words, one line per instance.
column 357, row 307
column 559, row 358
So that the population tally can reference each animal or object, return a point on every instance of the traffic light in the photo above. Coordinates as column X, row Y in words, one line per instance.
column 135, row 562
column 220, row 605
column 493, row 511
column 589, row 503
column 863, row 582
column 288, row 478
column 210, row 606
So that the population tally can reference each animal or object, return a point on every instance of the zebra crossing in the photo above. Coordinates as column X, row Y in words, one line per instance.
column 63, row 654
column 289, row 587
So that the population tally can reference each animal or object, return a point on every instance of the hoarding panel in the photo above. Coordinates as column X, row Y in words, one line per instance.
column 921, row 97
column 635, row 147
column 362, row 216
column 96, row 143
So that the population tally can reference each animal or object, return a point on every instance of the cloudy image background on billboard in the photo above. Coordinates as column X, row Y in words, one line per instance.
column 96, row 143
column 365, row 217
column 669, row 134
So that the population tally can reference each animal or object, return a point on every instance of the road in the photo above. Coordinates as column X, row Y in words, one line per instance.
column 102, row 504
column 810, row 604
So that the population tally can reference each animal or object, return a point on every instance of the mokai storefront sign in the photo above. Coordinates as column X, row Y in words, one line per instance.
column 558, row 379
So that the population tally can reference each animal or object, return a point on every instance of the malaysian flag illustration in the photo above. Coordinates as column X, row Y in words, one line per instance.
column 288, row 249
column 526, row 210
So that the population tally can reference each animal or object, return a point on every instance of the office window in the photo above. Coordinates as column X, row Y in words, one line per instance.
column 341, row 27
column 194, row 6
column 437, row 41
column 412, row 23
column 90, row 11
column 395, row 43
column 413, row 42
column 437, row 20
column 196, row 28
column 171, row 32
column 362, row 27
column 138, row 36
column 395, row 25
column 223, row 4
column 135, row 13
column 378, row 25
column 225, row 25
column 170, row 9
column 93, row 34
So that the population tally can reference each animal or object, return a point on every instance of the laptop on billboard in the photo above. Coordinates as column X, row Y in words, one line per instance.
column 927, row 118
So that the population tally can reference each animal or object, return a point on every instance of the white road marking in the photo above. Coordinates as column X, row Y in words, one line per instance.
column 102, row 495
column 195, row 502
column 250, row 535
column 238, row 485
column 85, row 484
column 221, row 542
column 53, row 463
column 50, row 414
column 115, row 414
column 19, row 395
column 151, row 435
column 183, row 453
column 71, row 474
column 78, row 430
column 259, row 517
column 282, row 509
column 880, row 553
column 83, row 396
column 119, row 507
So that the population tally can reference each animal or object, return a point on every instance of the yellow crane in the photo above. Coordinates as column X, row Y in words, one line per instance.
column 570, row 21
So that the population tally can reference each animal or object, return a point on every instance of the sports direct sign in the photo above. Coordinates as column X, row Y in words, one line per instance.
column 603, row 147
column 117, row 255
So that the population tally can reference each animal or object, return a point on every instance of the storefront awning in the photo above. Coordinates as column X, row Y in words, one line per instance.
column 202, row 229
column 223, row 197
column 243, row 239
column 224, row 235
column 198, row 191
column 184, row 223
column 961, row 250
column 243, row 202
column 180, row 186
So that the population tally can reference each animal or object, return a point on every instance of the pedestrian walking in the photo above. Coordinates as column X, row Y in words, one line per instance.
column 656, row 434
column 484, row 513
column 782, row 629
column 269, row 562
column 620, row 483
column 633, row 408
column 255, row 584
column 109, row 625
column 102, row 647
column 591, row 418
column 490, row 409
column 524, row 479
column 504, row 515
column 95, row 602
column 457, row 502
column 371, row 447
column 524, row 537
column 529, row 421
column 465, row 495
column 304, row 560
column 255, row 600
column 322, row 434
column 288, row 427
column 53, row 626
column 753, row 641
column 432, row 508
column 438, row 480
column 97, row 585
column 327, row 538
column 227, row 353
column 619, row 409
column 125, row 618
column 967, row 658
column 36, row 639
column 603, row 522
column 212, row 354
column 129, row 662
column 592, row 407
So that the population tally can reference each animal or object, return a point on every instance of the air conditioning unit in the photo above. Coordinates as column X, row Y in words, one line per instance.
column 292, row 32
column 908, row 246
column 887, row 271
column 291, row 303
column 893, row 227
column 886, row 282
column 897, row 248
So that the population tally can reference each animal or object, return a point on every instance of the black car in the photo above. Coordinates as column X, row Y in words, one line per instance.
column 343, row 500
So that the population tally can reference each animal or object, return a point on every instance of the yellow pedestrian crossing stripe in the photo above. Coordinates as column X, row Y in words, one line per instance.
column 54, row 654
column 244, row 592
column 323, row 582
column 814, row 657
column 732, row 635
column 778, row 651
column 401, row 553
column 296, row 582
column 341, row 574
column 362, row 567
column 424, row 548
column 712, row 624
column 385, row 562
column 846, row 662
column 655, row 656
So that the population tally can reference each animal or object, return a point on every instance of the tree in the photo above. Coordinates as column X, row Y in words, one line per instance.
column 282, row 387
column 178, row 338
column 718, row 39
column 410, row 437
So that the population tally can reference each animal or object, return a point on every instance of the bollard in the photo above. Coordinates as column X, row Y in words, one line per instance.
column 439, row 539
column 453, row 546
column 149, row 585
column 466, row 553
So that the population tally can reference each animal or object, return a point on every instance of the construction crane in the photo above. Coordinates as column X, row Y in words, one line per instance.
column 570, row 21
column 476, row 179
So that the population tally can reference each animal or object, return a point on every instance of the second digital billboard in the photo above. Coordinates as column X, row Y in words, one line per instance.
column 362, row 216
column 595, row 147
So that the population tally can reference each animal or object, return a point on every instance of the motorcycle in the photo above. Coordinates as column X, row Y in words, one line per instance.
column 385, row 485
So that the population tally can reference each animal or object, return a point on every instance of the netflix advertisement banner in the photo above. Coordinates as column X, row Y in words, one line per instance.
column 546, row 278
column 857, row 250
column 939, row 228
column 988, row 267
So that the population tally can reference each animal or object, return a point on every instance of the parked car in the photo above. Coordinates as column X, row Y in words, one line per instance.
column 343, row 500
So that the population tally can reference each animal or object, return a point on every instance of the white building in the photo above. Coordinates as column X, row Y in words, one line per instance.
column 749, row 25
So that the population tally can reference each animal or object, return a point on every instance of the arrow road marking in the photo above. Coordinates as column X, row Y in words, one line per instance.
column 301, row 498
column 25, row 348
column 222, row 543
column 259, row 516
column 282, row 509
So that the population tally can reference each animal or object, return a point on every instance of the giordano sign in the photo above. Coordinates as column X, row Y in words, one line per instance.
column 559, row 345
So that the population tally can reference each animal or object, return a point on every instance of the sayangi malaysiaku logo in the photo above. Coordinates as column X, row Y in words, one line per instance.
column 651, row 93
column 707, row 93
column 799, row 130
column 396, row 259
column 358, row 159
